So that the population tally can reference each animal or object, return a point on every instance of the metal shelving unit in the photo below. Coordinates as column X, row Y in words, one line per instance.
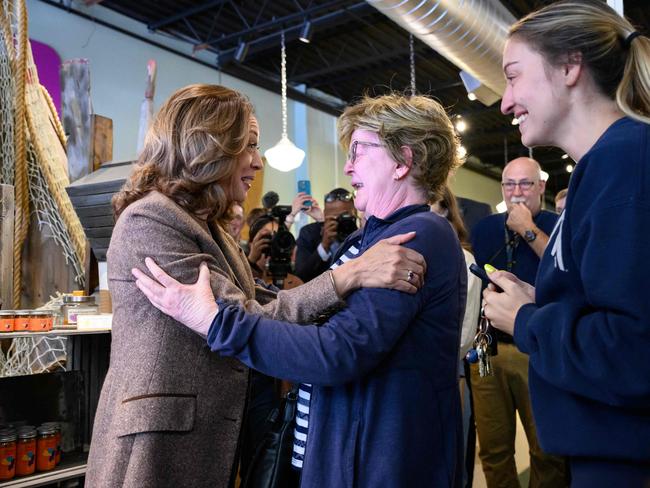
column 53, row 333
column 88, row 353
column 73, row 466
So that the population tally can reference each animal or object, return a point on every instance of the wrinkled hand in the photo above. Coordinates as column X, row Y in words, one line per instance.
column 330, row 229
column 519, row 218
column 502, row 307
column 387, row 265
column 192, row 305
column 259, row 245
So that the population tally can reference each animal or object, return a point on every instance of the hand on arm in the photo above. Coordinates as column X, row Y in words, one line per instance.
column 192, row 305
column 384, row 265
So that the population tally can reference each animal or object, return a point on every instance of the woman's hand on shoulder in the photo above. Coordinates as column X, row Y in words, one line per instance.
column 387, row 264
column 192, row 305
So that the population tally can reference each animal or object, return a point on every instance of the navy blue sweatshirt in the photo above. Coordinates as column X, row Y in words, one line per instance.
column 588, row 335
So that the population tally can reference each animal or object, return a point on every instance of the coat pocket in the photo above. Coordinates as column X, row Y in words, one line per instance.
column 163, row 412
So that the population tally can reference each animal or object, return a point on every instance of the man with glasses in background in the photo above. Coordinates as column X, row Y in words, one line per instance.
column 318, row 242
column 514, row 242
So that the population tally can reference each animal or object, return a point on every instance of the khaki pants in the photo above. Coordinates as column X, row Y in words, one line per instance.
column 496, row 400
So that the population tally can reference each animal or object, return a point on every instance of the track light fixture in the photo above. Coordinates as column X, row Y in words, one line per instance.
column 306, row 32
column 241, row 52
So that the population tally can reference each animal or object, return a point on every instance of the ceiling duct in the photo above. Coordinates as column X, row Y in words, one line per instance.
column 469, row 33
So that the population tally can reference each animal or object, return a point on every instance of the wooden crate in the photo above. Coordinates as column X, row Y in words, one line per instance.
column 91, row 198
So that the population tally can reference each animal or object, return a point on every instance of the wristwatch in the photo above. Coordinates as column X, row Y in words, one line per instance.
column 530, row 235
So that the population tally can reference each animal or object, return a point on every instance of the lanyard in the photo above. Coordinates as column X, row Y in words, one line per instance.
column 511, row 248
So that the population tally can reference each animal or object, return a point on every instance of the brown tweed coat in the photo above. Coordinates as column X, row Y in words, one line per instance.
column 170, row 410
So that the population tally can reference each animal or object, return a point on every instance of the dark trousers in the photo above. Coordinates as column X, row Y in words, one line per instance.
column 497, row 399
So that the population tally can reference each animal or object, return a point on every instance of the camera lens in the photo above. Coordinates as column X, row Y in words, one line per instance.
column 346, row 225
column 284, row 242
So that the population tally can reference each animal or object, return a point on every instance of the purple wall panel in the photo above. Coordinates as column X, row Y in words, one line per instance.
column 48, row 64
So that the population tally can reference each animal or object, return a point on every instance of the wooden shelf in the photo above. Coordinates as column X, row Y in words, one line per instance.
column 73, row 465
column 53, row 333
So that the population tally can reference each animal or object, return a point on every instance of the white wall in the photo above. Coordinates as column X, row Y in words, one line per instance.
column 469, row 184
column 118, row 74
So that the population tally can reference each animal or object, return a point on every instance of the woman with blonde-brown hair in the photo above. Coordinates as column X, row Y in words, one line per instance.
column 170, row 412
column 379, row 403
column 579, row 79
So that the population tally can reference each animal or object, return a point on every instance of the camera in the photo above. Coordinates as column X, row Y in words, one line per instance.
column 281, row 246
column 346, row 225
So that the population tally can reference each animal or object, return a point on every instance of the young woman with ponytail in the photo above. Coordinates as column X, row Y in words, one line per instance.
column 579, row 79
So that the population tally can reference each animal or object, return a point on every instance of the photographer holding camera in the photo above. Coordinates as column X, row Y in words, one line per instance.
column 318, row 242
column 271, row 249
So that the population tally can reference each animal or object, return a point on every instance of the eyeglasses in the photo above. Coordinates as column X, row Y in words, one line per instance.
column 352, row 155
column 525, row 185
column 342, row 197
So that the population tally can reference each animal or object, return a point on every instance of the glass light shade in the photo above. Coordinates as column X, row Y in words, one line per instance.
column 285, row 155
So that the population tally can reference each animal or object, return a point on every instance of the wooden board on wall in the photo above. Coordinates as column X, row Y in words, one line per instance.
column 102, row 144
column 44, row 268
column 6, row 245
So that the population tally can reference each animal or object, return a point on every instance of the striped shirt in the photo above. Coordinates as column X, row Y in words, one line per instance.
column 305, row 389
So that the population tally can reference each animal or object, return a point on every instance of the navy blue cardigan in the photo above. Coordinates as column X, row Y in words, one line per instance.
column 384, row 406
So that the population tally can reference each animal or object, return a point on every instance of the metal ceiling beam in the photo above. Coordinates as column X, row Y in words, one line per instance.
column 252, row 76
column 356, row 64
column 274, row 23
column 421, row 80
column 237, row 71
column 292, row 33
column 185, row 13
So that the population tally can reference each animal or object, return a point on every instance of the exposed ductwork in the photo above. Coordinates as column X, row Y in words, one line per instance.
column 469, row 33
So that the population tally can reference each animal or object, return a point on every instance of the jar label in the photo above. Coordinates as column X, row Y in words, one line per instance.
column 7, row 325
column 46, row 454
column 26, row 462
column 8, row 461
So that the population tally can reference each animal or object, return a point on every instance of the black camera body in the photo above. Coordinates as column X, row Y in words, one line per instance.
column 281, row 246
column 346, row 225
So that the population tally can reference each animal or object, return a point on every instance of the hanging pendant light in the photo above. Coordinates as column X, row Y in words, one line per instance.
column 285, row 155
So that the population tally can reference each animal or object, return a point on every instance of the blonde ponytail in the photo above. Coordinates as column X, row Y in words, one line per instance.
column 633, row 92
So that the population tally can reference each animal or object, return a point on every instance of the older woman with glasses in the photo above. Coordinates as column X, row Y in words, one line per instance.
column 383, row 407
